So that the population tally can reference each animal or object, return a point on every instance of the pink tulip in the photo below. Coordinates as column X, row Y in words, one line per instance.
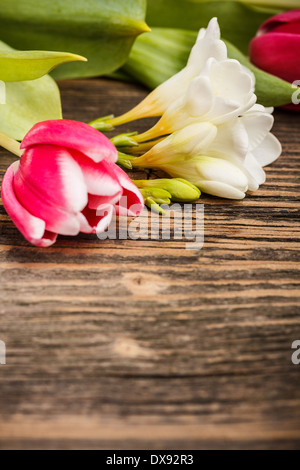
column 66, row 182
column 276, row 47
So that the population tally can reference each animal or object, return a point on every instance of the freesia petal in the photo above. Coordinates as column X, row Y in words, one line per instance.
column 255, row 170
column 208, row 45
column 199, row 97
column 215, row 188
column 193, row 139
column 212, row 31
column 233, row 86
column 72, row 134
column 268, row 151
column 223, row 91
column 259, row 108
column 258, row 125
column 214, row 169
column 230, row 79
column 231, row 142
column 50, row 185
column 31, row 227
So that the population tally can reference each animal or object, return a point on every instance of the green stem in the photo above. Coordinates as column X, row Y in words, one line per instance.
column 10, row 144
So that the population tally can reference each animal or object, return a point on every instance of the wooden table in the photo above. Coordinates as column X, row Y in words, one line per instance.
column 146, row 345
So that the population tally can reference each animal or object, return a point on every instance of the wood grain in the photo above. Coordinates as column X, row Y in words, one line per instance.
column 145, row 345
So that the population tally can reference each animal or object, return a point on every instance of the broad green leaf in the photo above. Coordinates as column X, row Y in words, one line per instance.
column 27, row 103
column 157, row 56
column 103, row 31
column 239, row 22
column 18, row 66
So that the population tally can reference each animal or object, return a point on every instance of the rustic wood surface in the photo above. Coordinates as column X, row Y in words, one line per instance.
column 146, row 345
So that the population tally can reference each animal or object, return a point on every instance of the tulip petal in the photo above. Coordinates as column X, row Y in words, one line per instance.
column 132, row 201
column 74, row 135
column 100, row 179
column 282, row 58
column 50, row 185
column 290, row 28
column 31, row 227
column 268, row 151
column 288, row 18
column 96, row 221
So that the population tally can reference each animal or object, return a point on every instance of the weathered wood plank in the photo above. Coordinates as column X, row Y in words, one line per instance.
column 142, row 344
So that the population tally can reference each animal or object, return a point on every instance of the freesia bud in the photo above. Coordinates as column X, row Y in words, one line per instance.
column 66, row 182
column 179, row 190
column 276, row 47
column 155, row 197
column 124, row 140
column 102, row 124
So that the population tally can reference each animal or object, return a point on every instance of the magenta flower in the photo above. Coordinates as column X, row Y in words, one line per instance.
column 67, row 182
column 276, row 47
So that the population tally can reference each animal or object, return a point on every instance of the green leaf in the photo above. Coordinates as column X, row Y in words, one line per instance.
column 101, row 30
column 239, row 22
column 157, row 56
column 27, row 103
column 18, row 66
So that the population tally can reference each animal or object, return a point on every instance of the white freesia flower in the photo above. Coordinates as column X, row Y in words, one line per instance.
column 223, row 91
column 248, row 143
column 241, row 147
column 208, row 45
